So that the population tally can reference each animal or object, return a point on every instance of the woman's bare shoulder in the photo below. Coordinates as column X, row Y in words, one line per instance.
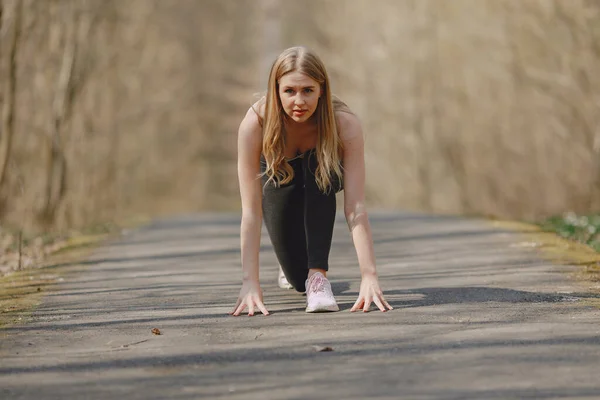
column 259, row 108
column 251, row 124
column 348, row 124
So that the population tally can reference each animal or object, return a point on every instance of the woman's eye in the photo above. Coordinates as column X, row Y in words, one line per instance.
column 308, row 90
column 288, row 91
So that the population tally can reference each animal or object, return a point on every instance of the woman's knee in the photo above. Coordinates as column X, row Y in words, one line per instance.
column 297, row 279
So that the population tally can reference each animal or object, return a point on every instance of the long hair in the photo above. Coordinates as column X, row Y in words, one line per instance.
column 329, row 146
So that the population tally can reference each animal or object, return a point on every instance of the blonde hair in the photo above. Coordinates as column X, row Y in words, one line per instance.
column 329, row 146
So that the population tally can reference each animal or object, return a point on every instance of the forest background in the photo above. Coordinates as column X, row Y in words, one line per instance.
column 112, row 108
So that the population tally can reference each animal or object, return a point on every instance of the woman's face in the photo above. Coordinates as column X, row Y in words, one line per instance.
column 299, row 95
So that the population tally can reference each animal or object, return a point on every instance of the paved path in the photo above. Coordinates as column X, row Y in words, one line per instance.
column 475, row 317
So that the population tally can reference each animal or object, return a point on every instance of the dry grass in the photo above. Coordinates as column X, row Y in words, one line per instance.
column 21, row 291
column 558, row 250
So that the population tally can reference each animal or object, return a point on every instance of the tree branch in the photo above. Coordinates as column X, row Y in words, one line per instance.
column 8, row 109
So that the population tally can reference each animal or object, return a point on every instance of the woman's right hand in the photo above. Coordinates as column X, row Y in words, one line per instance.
column 251, row 297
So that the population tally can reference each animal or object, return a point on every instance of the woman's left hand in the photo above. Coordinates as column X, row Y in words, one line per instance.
column 370, row 292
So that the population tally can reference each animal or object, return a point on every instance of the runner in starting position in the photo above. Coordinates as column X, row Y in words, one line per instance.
column 297, row 147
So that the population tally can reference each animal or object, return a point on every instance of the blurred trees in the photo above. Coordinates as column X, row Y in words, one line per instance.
column 111, row 108
column 10, row 20
column 121, row 107
column 483, row 107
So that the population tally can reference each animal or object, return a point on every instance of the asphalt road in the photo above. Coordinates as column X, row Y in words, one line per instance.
column 476, row 317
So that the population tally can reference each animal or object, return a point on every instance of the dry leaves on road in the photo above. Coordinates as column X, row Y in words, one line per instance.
column 322, row 348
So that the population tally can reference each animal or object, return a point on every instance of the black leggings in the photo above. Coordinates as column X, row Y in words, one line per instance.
column 299, row 219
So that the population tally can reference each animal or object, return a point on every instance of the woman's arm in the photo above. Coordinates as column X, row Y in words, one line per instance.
column 249, row 150
column 355, row 211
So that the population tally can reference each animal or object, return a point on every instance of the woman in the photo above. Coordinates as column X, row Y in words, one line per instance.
column 295, row 148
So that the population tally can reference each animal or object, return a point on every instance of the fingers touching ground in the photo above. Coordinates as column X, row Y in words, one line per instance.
column 359, row 302
column 387, row 305
column 237, row 304
column 364, row 303
column 262, row 308
column 250, row 297
column 379, row 304
column 239, row 308
column 252, row 304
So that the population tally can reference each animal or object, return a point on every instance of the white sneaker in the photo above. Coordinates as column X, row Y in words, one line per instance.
column 319, row 297
column 282, row 280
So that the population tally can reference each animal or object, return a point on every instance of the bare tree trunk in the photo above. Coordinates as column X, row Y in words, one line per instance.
column 56, row 181
column 8, row 109
column 20, row 246
column 271, row 38
column 112, row 178
column 594, row 189
column 426, row 86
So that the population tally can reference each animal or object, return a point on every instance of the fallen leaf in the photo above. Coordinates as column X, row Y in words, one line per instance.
column 322, row 348
column 156, row 331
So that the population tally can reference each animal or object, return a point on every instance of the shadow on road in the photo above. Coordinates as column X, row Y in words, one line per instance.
column 458, row 295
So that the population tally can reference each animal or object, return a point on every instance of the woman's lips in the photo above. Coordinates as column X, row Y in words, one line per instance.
column 299, row 112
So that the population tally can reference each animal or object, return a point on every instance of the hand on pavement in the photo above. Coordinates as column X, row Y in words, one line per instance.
column 251, row 297
column 370, row 292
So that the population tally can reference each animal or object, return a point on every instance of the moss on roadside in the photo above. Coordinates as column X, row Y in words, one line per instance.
column 21, row 291
column 562, row 240
column 580, row 228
